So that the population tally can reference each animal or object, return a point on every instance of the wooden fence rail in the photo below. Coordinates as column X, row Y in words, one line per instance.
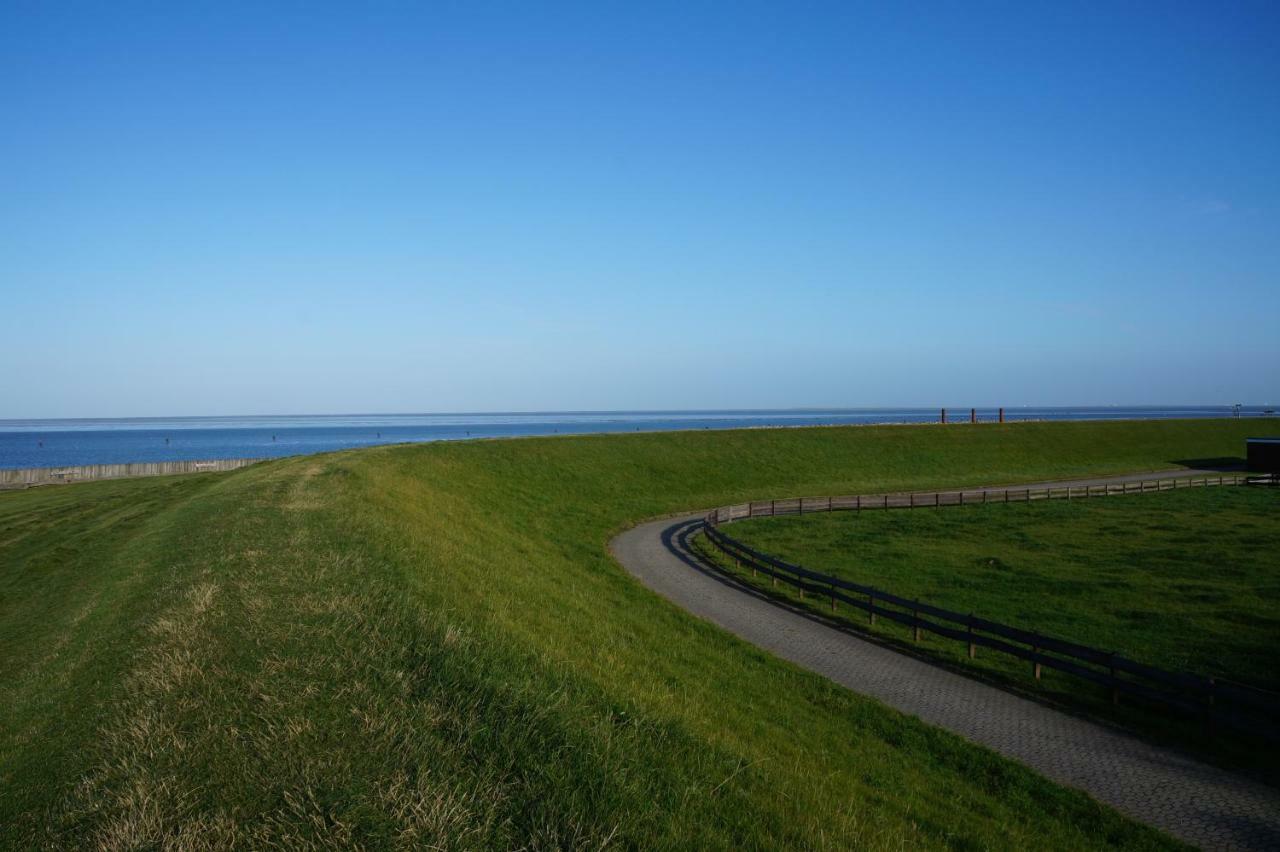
column 1216, row 700
column 30, row 476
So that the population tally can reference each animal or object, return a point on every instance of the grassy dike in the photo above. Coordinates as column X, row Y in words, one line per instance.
column 431, row 644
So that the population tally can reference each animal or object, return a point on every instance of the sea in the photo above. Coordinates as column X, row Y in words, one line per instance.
column 57, row 443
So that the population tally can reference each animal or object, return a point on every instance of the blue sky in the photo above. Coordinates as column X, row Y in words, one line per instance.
column 298, row 207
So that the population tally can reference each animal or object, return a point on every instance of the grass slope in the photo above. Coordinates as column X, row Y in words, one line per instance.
column 430, row 644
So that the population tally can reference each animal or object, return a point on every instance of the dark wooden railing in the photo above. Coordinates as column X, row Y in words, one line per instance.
column 1215, row 700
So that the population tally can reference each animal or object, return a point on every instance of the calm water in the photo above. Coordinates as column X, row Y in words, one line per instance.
column 53, row 443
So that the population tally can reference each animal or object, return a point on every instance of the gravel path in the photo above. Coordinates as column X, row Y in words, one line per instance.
column 1198, row 803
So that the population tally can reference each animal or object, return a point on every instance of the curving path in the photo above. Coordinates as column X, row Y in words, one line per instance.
column 1195, row 802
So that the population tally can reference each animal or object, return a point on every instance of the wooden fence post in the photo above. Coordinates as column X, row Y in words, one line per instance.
column 1208, row 710
column 871, row 608
column 973, row 649
column 915, row 621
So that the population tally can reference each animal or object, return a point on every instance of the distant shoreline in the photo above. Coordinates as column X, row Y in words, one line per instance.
column 33, row 451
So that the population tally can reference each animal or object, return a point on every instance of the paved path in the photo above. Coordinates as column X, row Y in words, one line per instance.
column 1198, row 803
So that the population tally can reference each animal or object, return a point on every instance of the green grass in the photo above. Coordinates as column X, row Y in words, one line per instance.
column 1185, row 580
column 431, row 645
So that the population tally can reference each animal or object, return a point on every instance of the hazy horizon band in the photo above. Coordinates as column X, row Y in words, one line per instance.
column 81, row 441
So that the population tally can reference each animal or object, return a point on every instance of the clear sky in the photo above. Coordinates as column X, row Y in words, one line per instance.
column 212, row 208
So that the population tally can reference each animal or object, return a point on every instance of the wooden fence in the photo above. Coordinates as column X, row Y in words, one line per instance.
column 916, row 500
column 1217, row 701
column 30, row 476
